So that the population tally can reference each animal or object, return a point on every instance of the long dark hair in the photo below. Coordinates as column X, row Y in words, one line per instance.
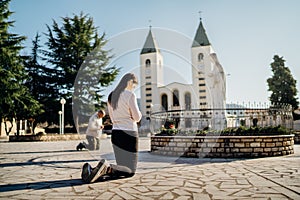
column 113, row 97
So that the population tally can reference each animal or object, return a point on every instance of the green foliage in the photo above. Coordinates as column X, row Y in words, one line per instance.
column 168, row 129
column 16, row 101
column 76, row 50
column 42, row 85
column 269, row 130
column 168, row 132
column 236, row 131
column 282, row 85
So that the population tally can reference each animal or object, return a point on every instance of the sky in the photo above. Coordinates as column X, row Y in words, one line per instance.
column 245, row 34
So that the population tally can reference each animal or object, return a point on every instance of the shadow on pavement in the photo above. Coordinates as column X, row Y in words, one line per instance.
column 29, row 163
column 41, row 185
column 39, row 152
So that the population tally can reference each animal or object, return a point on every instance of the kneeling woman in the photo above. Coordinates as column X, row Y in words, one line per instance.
column 124, row 114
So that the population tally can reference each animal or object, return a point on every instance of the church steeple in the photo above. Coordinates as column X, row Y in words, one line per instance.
column 201, row 38
column 150, row 45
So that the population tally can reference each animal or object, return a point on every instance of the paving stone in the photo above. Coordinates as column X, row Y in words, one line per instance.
column 121, row 193
column 183, row 198
column 51, row 170
column 201, row 196
column 161, row 188
column 142, row 197
column 168, row 195
column 181, row 192
column 106, row 195
column 142, row 189
column 243, row 193
column 193, row 190
column 155, row 194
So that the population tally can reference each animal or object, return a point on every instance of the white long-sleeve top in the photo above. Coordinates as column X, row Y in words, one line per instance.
column 94, row 127
column 127, row 113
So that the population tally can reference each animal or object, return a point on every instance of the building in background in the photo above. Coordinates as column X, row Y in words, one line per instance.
column 207, row 90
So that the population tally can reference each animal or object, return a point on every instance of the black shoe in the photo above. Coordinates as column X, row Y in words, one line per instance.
column 86, row 172
column 99, row 170
column 80, row 146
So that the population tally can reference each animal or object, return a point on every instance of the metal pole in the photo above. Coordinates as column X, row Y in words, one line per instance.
column 60, row 127
column 63, row 101
column 63, row 119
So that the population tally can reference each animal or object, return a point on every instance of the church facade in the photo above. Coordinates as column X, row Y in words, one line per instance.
column 207, row 92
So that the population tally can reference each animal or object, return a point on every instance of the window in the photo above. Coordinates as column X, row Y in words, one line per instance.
column 147, row 89
column 164, row 101
column 187, row 99
column 200, row 57
column 176, row 98
column 148, row 63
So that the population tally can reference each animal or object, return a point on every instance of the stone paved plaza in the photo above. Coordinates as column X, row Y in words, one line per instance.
column 51, row 170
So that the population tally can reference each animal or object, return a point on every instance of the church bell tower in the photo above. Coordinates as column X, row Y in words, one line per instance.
column 151, row 73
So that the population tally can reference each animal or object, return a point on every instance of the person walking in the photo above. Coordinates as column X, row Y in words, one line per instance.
column 124, row 114
column 93, row 132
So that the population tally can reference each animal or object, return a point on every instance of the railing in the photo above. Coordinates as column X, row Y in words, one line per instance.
column 234, row 115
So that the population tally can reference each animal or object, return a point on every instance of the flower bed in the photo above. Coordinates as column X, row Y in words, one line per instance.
column 239, row 131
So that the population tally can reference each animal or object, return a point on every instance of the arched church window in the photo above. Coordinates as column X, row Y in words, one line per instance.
column 187, row 101
column 148, row 63
column 200, row 57
column 164, row 101
column 176, row 98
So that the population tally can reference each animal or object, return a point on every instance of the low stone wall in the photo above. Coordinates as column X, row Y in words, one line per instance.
column 46, row 137
column 223, row 146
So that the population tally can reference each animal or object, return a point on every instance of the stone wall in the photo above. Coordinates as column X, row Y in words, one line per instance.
column 46, row 137
column 223, row 146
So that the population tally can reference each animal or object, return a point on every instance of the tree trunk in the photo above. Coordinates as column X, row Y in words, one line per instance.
column 8, row 130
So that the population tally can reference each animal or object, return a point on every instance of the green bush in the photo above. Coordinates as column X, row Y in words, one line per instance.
column 237, row 131
column 270, row 130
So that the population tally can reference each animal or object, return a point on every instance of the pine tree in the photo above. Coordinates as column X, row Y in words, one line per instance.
column 76, row 49
column 16, row 101
column 282, row 85
column 42, row 85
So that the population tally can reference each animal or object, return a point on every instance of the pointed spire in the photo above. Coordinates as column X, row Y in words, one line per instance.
column 201, row 38
column 150, row 45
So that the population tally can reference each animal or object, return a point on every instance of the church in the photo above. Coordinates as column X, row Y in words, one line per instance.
column 206, row 92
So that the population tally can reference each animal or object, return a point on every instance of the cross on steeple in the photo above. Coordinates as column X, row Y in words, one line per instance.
column 200, row 15
column 150, row 24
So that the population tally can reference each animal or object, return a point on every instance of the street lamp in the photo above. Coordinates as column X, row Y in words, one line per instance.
column 60, row 127
column 63, row 102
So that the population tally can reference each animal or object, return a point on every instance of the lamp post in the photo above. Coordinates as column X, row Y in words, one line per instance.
column 63, row 102
column 60, row 127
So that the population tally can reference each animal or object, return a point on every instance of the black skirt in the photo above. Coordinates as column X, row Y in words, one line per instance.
column 125, row 145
